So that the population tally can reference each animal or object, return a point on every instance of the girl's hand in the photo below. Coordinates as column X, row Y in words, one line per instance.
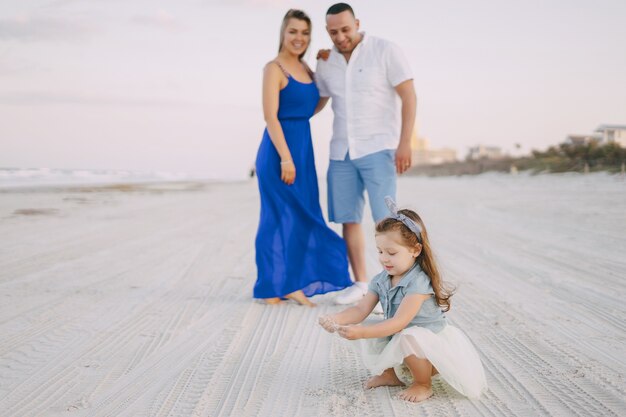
column 328, row 324
column 350, row 332
column 287, row 172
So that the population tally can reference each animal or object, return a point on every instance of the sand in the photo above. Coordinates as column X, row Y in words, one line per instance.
column 136, row 301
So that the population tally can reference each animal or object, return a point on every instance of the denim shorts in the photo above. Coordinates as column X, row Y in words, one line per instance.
column 348, row 179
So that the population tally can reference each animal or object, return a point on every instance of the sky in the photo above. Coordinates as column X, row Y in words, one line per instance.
column 170, row 86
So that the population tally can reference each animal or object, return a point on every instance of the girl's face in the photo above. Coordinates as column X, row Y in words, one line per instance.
column 393, row 255
column 296, row 37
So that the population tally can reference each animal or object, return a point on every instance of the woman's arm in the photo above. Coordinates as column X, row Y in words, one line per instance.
column 409, row 307
column 321, row 104
column 272, row 78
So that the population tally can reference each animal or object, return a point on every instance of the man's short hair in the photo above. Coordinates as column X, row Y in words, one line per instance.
column 339, row 8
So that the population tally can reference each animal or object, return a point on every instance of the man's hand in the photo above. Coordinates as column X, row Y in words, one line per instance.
column 323, row 54
column 403, row 158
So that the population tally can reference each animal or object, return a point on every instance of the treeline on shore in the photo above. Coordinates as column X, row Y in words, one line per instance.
column 588, row 157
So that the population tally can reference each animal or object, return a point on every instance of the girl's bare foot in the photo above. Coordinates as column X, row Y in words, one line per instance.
column 416, row 393
column 387, row 379
column 274, row 300
column 300, row 298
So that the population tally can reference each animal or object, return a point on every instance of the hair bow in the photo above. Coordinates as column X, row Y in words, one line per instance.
column 414, row 227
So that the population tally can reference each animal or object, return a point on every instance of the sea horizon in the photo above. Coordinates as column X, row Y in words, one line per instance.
column 18, row 177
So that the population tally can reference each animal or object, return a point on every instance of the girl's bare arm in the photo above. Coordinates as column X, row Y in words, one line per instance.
column 359, row 312
column 409, row 307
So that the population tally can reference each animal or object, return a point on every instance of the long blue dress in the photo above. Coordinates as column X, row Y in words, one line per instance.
column 295, row 249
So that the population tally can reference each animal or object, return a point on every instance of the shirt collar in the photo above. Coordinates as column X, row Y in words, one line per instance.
column 364, row 38
column 406, row 278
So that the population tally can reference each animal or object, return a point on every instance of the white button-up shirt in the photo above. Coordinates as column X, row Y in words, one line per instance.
column 366, row 107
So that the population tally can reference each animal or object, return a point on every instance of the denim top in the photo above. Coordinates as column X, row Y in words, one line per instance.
column 414, row 281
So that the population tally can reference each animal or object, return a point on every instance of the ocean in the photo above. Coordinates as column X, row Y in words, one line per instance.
column 30, row 177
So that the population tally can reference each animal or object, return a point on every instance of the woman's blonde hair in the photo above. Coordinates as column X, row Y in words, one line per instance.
column 293, row 14
column 425, row 259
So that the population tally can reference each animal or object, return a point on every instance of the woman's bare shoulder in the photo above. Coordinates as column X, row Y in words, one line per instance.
column 272, row 66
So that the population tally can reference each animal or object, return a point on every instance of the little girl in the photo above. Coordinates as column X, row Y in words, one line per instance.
column 415, row 332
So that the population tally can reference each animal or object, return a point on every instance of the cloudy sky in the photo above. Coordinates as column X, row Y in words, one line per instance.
column 175, row 86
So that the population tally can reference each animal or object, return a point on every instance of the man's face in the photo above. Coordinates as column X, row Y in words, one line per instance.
column 343, row 29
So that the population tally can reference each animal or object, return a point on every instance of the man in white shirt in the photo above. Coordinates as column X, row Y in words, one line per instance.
column 374, row 104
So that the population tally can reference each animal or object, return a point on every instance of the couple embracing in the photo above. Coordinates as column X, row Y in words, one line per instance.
column 374, row 104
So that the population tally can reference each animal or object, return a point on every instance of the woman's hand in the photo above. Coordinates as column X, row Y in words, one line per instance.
column 287, row 172
column 350, row 332
column 328, row 323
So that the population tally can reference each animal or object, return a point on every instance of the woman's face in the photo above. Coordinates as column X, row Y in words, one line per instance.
column 296, row 37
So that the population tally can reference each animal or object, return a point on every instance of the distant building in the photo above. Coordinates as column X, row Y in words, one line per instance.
column 484, row 152
column 434, row 156
column 613, row 134
column 419, row 144
column 578, row 140
column 423, row 155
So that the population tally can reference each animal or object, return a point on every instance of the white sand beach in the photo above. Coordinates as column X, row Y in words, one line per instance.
column 136, row 301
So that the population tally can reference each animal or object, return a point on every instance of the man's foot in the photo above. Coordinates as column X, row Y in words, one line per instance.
column 300, row 298
column 416, row 393
column 386, row 379
column 352, row 294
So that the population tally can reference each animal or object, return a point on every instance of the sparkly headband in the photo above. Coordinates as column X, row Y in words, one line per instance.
column 413, row 227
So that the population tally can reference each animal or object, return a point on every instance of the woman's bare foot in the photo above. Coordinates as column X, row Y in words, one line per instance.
column 300, row 298
column 387, row 379
column 416, row 393
column 274, row 300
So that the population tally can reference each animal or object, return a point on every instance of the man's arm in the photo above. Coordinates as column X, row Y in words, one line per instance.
column 406, row 91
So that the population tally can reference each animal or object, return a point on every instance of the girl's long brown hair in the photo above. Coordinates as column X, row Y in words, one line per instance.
column 425, row 259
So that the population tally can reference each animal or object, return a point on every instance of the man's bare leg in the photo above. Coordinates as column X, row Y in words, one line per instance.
column 353, row 235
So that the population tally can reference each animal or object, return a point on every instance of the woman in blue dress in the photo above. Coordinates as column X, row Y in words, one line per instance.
column 297, row 254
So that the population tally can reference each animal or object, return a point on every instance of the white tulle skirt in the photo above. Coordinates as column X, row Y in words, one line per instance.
column 450, row 351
